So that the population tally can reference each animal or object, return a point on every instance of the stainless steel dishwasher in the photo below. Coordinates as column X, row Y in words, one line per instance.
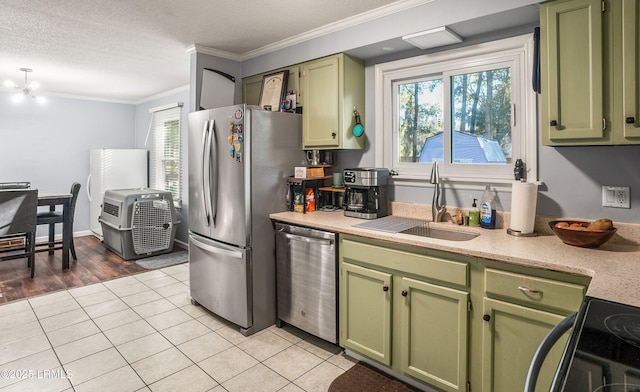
column 306, row 280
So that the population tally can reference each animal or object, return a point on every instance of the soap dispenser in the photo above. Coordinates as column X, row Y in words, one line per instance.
column 488, row 209
column 474, row 214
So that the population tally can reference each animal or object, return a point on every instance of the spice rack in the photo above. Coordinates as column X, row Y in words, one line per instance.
column 317, row 180
column 299, row 185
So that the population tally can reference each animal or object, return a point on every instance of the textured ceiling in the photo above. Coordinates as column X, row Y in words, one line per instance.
column 128, row 50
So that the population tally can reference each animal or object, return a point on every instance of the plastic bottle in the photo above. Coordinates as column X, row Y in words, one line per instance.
column 474, row 214
column 310, row 200
column 488, row 209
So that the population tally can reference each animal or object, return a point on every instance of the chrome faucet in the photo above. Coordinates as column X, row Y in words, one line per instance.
column 437, row 211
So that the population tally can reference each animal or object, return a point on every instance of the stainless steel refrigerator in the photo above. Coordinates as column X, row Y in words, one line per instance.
column 239, row 160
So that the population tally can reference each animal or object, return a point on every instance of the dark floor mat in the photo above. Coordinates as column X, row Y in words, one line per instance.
column 362, row 377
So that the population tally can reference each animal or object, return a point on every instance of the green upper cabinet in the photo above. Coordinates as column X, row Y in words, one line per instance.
column 330, row 88
column 629, row 48
column 589, row 72
column 252, row 85
column 571, row 71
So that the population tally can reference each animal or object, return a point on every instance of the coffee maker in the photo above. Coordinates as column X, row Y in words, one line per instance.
column 366, row 193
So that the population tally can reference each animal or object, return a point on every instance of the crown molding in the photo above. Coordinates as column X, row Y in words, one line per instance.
column 315, row 33
column 176, row 90
column 197, row 48
column 110, row 100
column 336, row 26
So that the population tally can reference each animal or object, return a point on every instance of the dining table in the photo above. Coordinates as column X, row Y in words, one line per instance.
column 54, row 199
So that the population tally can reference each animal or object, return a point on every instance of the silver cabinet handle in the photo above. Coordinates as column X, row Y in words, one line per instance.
column 527, row 290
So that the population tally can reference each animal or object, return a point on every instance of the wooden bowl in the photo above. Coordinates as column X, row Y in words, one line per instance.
column 581, row 238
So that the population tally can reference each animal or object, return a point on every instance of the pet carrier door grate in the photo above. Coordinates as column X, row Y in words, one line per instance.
column 151, row 226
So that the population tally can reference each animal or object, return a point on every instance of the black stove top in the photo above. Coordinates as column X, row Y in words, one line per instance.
column 603, row 352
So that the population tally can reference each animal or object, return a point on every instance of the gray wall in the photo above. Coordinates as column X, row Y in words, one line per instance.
column 199, row 61
column 49, row 144
column 572, row 176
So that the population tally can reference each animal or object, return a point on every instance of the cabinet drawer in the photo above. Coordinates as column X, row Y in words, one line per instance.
column 428, row 266
column 529, row 290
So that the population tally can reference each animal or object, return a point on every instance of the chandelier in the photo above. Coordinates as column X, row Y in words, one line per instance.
column 26, row 89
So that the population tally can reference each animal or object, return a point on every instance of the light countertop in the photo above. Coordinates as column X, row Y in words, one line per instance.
column 614, row 268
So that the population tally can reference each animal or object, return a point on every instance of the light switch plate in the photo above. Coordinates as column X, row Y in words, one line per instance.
column 616, row 196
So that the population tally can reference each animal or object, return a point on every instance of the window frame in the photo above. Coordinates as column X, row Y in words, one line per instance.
column 517, row 51
column 159, row 117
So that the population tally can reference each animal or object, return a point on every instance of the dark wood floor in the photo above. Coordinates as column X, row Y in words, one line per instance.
column 95, row 264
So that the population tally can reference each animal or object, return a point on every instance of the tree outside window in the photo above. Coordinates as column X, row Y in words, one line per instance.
column 480, row 118
column 471, row 109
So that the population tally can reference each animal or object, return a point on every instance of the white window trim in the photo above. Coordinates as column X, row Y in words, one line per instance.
column 153, row 164
column 520, row 48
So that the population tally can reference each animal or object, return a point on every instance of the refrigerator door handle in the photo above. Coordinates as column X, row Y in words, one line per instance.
column 206, row 158
column 213, row 249
column 213, row 156
column 89, row 187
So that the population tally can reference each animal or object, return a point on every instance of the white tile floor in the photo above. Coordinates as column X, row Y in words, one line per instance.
column 141, row 333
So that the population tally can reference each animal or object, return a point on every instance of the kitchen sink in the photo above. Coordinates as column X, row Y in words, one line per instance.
column 419, row 227
column 441, row 234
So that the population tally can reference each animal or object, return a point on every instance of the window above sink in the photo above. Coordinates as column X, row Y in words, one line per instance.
column 470, row 109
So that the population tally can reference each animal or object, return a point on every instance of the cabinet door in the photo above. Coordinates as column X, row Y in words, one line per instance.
column 252, row 85
column 510, row 338
column 320, row 94
column 251, row 89
column 631, row 69
column 435, row 334
column 365, row 312
column 571, row 71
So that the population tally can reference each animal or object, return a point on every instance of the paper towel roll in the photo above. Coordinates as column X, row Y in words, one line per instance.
column 524, row 196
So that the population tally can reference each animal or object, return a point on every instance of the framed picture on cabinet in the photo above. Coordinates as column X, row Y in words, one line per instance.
column 274, row 86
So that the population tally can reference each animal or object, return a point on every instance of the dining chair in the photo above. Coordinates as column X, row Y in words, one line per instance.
column 52, row 217
column 18, row 209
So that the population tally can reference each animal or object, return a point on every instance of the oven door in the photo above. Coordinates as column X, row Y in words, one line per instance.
column 603, row 351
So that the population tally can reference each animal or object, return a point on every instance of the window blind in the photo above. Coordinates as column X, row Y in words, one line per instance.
column 166, row 150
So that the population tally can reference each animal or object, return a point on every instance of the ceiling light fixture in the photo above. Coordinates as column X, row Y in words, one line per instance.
column 26, row 89
column 433, row 38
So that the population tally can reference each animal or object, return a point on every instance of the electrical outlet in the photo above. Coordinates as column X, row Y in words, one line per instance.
column 615, row 196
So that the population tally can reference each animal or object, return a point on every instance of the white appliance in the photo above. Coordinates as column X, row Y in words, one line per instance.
column 218, row 89
column 239, row 160
column 113, row 169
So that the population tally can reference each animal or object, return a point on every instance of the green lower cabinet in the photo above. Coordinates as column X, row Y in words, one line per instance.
column 511, row 336
column 365, row 312
column 451, row 322
column 434, row 334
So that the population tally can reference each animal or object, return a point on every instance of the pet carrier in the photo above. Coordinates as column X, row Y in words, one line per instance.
column 138, row 223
